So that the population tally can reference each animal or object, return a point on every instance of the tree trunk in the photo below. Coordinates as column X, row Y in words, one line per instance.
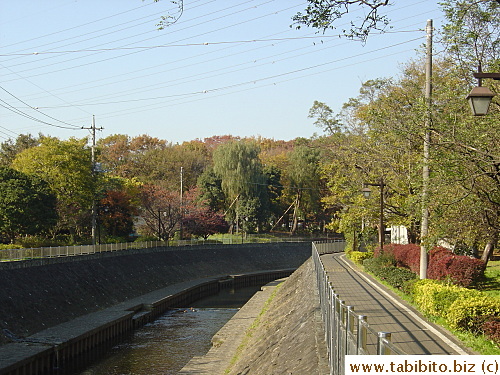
column 488, row 249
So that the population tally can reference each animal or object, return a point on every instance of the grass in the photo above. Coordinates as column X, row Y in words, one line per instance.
column 491, row 285
column 251, row 330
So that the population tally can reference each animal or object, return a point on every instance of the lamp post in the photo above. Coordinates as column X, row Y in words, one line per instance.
column 366, row 192
column 480, row 97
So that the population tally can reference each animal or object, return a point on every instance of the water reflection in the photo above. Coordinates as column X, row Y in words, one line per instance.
column 166, row 345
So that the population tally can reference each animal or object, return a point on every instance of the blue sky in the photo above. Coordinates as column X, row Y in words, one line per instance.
column 224, row 67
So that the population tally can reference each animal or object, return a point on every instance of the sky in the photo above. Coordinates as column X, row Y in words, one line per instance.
column 217, row 68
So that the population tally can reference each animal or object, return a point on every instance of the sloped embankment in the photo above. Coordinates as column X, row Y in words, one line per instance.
column 39, row 294
column 288, row 338
column 285, row 336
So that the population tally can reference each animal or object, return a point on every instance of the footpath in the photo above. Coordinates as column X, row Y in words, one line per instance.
column 287, row 335
column 386, row 312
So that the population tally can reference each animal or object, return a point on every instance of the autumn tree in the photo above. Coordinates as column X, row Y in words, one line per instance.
column 160, row 210
column 116, row 213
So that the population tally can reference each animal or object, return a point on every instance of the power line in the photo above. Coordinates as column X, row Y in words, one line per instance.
column 15, row 110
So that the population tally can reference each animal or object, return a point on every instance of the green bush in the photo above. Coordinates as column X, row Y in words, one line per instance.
column 374, row 265
column 435, row 298
column 395, row 276
column 469, row 314
column 9, row 246
column 359, row 256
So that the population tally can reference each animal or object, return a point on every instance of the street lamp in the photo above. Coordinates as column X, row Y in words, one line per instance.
column 480, row 97
column 366, row 192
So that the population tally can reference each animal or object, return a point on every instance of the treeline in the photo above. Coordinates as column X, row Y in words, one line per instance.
column 258, row 184
column 146, row 186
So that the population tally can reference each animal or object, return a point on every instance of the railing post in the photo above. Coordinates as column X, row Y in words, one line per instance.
column 362, row 334
column 382, row 349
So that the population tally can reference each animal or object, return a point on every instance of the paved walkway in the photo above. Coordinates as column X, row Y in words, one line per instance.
column 387, row 312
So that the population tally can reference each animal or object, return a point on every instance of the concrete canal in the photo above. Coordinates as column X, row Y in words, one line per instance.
column 164, row 346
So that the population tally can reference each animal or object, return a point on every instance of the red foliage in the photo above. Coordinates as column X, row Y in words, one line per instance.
column 462, row 270
column 408, row 256
column 442, row 263
column 491, row 329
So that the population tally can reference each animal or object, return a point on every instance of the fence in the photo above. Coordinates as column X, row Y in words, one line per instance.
column 346, row 333
column 64, row 251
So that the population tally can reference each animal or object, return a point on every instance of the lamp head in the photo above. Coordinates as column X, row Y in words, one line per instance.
column 479, row 100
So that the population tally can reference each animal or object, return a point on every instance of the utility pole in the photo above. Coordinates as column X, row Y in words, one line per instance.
column 94, row 174
column 182, row 202
column 424, row 226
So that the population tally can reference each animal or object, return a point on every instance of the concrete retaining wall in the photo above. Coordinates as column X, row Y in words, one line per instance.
column 38, row 294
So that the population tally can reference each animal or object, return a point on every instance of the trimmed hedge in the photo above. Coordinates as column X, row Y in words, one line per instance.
column 491, row 328
column 442, row 264
column 435, row 298
column 407, row 256
column 360, row 256
column 470, row 314
column 460, row 269
column 463, row 309
column 383, row 268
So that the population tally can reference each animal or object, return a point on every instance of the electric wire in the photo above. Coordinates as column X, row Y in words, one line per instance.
column 220, row 90
column 15, row 110
column 143, row 40
column 148, row 88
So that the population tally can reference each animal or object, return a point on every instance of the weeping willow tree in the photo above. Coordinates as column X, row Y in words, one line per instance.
column 243, row 182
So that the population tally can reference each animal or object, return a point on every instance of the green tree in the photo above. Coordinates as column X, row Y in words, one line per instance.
column 304, row 182
column 66, row 166
column 27, row 205
column 238, row 166
column 10, row 149
column 210, row 186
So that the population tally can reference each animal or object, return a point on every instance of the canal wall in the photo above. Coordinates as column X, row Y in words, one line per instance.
column 38, row 294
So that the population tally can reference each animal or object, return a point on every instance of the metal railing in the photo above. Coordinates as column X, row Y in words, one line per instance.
column 346, row 333
column 64, row 251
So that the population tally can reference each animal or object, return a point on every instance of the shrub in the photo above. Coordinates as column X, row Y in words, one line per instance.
column 9, row 246
column 360, row 256
column 373, row 265
column 462, row 270
column 395, row 276
column 491, row 328
column 469, row 314
column 435, row 298
column 407, row 256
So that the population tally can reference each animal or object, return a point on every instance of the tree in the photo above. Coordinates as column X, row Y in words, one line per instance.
column 210, row 186
column 160, row 210
column 27, row 205
column 237, row 164
column 204, row 223
column 322, row 14
column 116, row 213
column 66, row 166
column 10, row 149
column 126, row 157
column 472, row 35
column 304, row 180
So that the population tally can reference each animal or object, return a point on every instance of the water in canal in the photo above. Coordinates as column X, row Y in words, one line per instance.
column 166, row 345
